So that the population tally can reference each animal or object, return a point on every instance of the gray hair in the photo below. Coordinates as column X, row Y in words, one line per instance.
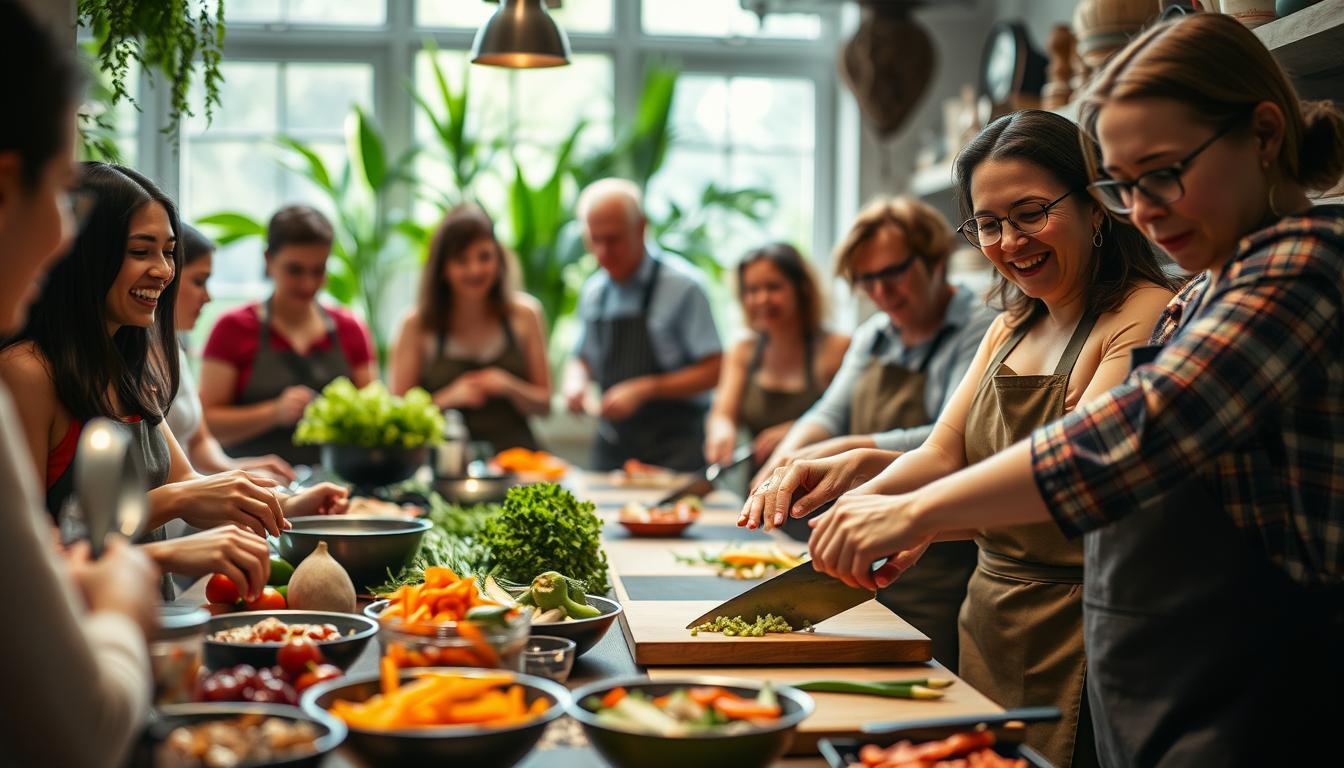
column 603, row 190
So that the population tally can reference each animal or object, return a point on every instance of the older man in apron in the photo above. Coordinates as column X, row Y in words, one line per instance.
column 648, row 340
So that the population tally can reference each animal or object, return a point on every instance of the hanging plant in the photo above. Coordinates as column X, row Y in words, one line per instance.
column 167, row 37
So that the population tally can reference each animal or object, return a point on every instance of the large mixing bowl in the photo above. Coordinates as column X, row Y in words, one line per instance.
column 372, row 466
column 331, row 731
column 444, row 745
column 367, row 547
column 757, row 748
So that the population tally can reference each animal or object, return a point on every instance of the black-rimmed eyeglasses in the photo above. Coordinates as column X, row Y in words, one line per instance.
column 1161, row 186
column 1027, row 218
column 869, row 281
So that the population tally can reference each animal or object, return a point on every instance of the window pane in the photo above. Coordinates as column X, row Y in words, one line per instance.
column 319, row 96
column 724, row 18
column 572, row 16
column 247, row 100
column 367, row 13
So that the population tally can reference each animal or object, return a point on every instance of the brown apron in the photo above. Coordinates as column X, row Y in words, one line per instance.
column 498, row 421
column 762, row 407
column 890, row 397
column 1022, row 623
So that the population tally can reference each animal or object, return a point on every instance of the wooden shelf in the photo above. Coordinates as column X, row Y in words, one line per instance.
column 1310, row 45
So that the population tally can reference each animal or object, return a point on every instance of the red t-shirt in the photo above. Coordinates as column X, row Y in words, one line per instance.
column 236, row 334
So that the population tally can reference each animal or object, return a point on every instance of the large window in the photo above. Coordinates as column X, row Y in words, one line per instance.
column 754, row 108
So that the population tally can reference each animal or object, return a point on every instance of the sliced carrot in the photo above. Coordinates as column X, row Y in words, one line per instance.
column 706, row 695
column 746, row 709
column 478, row 642
column 613, row 696
column 389, row 674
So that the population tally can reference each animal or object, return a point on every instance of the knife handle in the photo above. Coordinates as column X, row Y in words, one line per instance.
column 1022, row 715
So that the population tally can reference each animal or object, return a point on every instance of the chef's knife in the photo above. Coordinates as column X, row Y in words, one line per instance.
column 1020, row 715
column 705, row 477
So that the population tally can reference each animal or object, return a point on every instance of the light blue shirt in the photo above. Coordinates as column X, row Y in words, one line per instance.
column 681, row 325
column 966, row 312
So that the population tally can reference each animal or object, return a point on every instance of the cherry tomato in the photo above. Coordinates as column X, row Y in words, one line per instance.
column 221, row 590
column 221, row 687
column 315, row 676
column 295, row 655
column 323, row 632
column 270, row 600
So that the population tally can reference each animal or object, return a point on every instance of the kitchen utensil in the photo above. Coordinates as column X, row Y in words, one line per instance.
column 367, row 547
column 548, row 657
column 703, row 480
column 1019, row 715
column 801, row 595
column 109, row 483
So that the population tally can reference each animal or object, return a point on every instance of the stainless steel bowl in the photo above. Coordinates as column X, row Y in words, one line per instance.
column 485, row 489
column 584, row 632
column 447, row 745
column 367, row 547
column 341, row 652
column 755, row 749
column 164, row 719
column 372, row 466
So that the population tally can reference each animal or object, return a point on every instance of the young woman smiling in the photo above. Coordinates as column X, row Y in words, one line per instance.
column 1079, row 290
column 474, row 342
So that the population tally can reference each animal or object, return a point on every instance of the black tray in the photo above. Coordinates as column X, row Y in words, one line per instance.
column 842, row 753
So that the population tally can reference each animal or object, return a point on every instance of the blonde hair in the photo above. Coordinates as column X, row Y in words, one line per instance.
column 1221, row 70
column 927, row 233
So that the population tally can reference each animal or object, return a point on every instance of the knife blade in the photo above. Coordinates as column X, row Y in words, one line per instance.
column 705, row 476
column 800, row 595
column 1020, row 715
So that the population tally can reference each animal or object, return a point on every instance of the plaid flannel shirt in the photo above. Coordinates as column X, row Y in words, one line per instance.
column 1248, row 394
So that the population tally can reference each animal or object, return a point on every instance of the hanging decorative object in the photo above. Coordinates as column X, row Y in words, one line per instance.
column 1012, row 71
column 888, row 64
column 521, row 35
column 1251, row 13
column 1104, row 26
column 1059, row 74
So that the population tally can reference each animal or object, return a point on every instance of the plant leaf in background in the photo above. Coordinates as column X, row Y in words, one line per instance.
column 466, row 155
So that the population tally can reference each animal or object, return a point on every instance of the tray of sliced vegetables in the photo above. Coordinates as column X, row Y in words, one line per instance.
column 749, row 561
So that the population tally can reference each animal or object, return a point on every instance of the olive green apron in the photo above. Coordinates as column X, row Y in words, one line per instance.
column 762, row 407
column 1022, row 623
column 888, row 397
column 498, row 421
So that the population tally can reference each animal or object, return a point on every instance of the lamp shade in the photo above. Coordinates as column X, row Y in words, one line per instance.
column 521, row 34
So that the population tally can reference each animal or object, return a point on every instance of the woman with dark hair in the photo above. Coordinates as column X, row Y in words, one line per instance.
column 84, row 622
column 265, row 361
column 1205, row 488
column 772, row 377
column 473, row 342
column 99, row 343
column 1079, row 290
column 185, row 417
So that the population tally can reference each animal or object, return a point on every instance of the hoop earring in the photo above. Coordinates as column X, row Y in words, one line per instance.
column 1274, row 209
column 1097, row 239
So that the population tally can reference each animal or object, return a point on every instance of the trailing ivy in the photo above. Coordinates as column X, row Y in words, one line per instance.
column 165, row 36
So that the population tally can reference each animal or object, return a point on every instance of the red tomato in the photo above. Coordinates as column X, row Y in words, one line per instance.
column 295, row 655
column 221, row 590
column 323, row 632
column 315, row 676
column 270, row 600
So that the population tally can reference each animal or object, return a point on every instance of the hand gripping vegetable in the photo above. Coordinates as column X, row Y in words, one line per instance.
column 550, row 591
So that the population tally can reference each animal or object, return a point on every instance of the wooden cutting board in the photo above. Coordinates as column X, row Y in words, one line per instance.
column 839, row 715
column 868, row 633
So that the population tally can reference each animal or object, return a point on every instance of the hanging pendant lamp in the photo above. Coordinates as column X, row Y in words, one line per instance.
column 521, row 35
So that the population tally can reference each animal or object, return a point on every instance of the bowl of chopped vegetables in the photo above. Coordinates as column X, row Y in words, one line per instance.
column 559, row 607
column 441, row 716
column 707, row 722
column 255, row 637
column 254, row 735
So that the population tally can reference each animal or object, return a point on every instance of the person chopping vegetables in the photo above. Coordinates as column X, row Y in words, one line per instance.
column 265, row 362
column 1205, row 486
column 648, row 340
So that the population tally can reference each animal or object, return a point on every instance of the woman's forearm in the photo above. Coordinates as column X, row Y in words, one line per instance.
column 999, row 491
column 531, row 399
column 233, row 424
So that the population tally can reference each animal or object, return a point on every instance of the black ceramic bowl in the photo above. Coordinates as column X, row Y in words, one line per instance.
column 164, row 719
column 584, row 632
column 367, row 547
column 372, row 466
column 755, row 749
column 448, row 745
column 484, row 489
column 342, row 652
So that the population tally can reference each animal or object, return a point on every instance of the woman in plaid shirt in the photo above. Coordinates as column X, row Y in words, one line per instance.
column 1207, row 483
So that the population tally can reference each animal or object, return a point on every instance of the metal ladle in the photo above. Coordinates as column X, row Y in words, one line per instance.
column 109, row 483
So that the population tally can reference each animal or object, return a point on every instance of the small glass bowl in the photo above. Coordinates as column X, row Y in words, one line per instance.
column 549, row 657
column 451, row 645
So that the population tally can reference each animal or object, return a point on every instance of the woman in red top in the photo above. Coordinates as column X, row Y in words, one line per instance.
column 264, row 362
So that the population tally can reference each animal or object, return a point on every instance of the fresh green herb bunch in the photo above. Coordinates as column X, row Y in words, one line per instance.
column 450, row 543
column 738, row 627
column 370, row 417
column 542, row 527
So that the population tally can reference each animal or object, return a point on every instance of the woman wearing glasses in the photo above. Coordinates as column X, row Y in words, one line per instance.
column 773, row 377
column 1079, row 291
column 901, row 367
column 1208, row 482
